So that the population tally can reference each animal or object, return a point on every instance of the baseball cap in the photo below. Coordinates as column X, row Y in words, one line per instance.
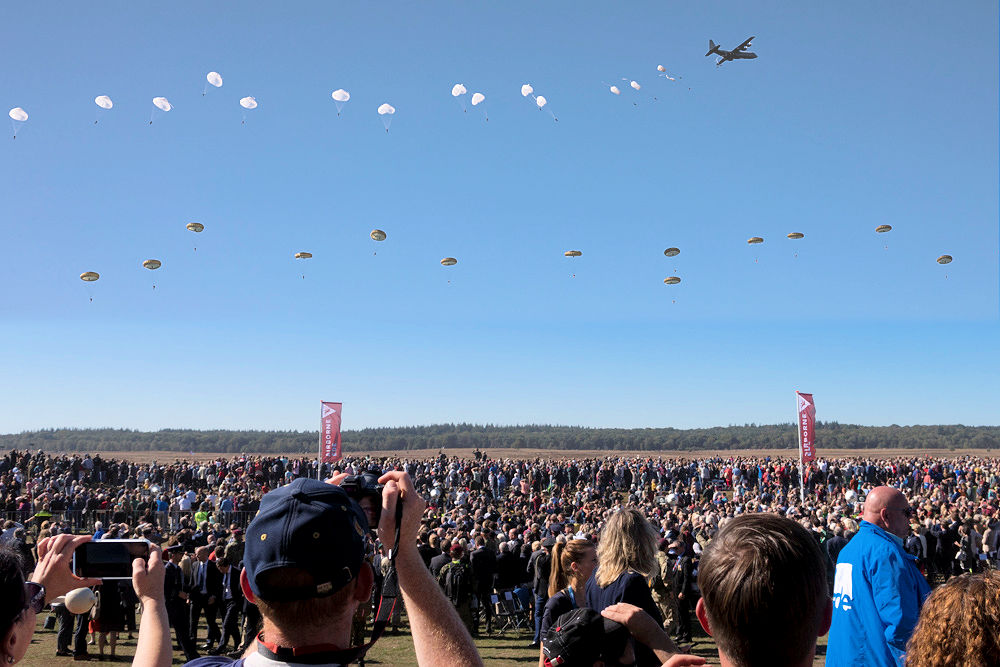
column 310, row 526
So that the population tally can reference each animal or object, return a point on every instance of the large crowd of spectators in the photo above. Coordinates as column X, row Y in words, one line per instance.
column 494, row 525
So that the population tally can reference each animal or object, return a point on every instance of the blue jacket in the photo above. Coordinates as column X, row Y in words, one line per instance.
column 877, row 595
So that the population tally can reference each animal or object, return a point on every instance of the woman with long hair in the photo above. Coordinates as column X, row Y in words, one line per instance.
column 959, row 624
column 573, row 563
column 627, row 556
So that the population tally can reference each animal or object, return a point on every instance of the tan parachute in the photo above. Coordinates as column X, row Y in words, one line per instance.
column 303, row 255
column 377, row 235
column 882, row 229
column 152, row 264
column 89, row 276
column 449, row 261
column 755, row 239
column 672, row 252
column 672, row 280
column 572, row 253
column 796, row 235
column 195, row 227
column 944, row 259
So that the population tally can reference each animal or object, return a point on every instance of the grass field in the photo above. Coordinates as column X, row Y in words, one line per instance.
column 391, row 650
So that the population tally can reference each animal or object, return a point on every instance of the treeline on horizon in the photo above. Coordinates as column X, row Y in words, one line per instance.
column 829, row 435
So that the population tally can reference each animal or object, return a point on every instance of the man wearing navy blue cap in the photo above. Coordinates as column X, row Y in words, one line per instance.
column 304, row 568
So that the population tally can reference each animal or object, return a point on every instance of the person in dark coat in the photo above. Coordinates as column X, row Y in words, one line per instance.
column 683, row 575
column 539, row 566
column 176, row 595
column 232, row 605
column 484, row 569
column 206, row 593
column 508, row 568
column 441, row 559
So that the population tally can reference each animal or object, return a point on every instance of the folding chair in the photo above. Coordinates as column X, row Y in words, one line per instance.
column 502, row 619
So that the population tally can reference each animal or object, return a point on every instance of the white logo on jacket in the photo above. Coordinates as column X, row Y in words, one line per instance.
column 843, row 588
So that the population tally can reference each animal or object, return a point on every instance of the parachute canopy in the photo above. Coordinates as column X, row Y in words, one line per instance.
column 672, row 280
column 18, row 114
column 661, row 68
column 303, row 255
column 386, row 109
column 672, row 252
column 541, row 101
column 881, row 229
column 635, row 84
column 572, row 253
column 195, row 226
column 477, row 98
column 151, row 264
column 755, row 239
column 526, row 90
column 458, row 89
column 89, row 276
column 162, row 103
column 449, row 261
column 377, row 235
column 340, row 95
column 248, row 103
column 944, row 259
column 796, row 235
column 214, row 78
column 103, row 101
column 614, row 89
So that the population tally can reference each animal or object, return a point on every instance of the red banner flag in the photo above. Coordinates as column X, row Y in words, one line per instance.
column 807, row 427
column 329, row 432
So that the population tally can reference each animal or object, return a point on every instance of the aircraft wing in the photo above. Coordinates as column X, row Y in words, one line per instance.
column 744, row 46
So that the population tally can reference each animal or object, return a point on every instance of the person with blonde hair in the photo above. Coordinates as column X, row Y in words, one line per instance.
column 627, row 556
column 959, row 624
column 573, row 562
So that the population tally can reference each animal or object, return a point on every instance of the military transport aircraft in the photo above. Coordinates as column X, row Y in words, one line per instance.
column 740, row 52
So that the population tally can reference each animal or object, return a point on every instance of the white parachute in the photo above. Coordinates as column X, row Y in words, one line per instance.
column 386, row 112
column 458, row 91
column 247, row 103
column 213, row 79
column 161, row 103
column 526, row 90
column 635, row 85
column 477, row 99
column 542, row 104
column 104, row 103
column 614, row 89
column 340, row 98
column 17, row 118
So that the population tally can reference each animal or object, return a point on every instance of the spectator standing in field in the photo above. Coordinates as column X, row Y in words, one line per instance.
column 305, row 568
column 573, row 563
column 539, row 567
column 764, row 594
column 877, row 589
column 456, row 581
column 626, row 555
column 176, row 596
column 662, row 586
column 484, row 569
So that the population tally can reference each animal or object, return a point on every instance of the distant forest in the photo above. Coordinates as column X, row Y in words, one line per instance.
column 829, row 435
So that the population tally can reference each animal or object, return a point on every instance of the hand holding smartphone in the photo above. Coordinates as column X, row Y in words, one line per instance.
column 108, row 559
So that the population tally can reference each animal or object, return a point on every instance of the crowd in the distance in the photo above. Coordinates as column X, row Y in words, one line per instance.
column 507, row 540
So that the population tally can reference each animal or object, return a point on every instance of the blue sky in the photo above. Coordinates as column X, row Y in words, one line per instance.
column 854, row 115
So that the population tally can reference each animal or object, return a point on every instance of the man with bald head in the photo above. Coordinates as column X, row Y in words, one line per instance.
column 877, row 588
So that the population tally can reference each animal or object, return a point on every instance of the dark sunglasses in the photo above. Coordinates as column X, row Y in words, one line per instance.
column 34, row 596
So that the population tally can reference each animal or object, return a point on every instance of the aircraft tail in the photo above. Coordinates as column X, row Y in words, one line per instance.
column 712, row 48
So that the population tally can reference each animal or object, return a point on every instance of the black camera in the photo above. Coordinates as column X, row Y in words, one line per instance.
column 366, row 486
